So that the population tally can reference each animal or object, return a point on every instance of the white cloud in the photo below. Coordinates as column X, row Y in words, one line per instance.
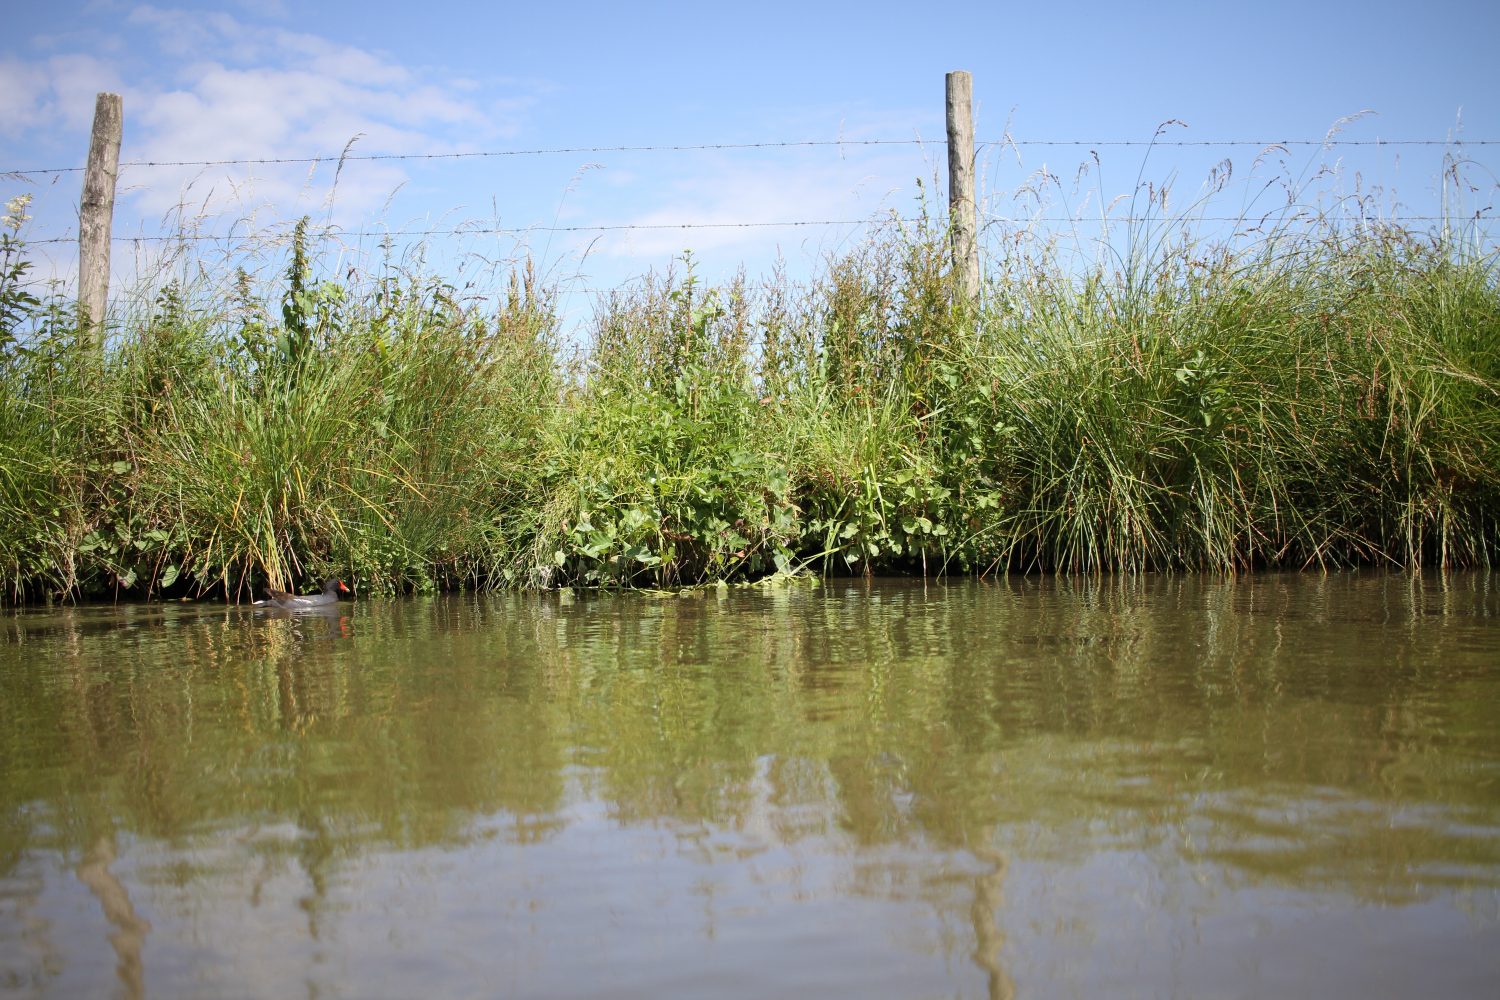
column 55, row 92
column 214, row 86
column 25, row 90
column 189, row 34
column 264, row 8
column 342, row 62
column 739, row 199
column 264, row 113
column 240, row 91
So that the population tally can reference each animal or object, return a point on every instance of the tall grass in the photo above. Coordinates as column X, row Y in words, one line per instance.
column 1329, row 403
column 1322, row 396
column 380, row 430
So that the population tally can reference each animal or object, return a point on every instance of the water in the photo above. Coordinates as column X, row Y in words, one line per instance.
column 1277, row 786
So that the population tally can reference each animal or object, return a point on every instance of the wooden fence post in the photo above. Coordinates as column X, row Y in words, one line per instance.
column 962, row 221
column 95, row 215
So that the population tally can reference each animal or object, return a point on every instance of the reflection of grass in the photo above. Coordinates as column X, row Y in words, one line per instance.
column 885, row 716
column 1321, row 397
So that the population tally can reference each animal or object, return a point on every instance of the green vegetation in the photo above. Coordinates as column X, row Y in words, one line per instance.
column 1319, row 397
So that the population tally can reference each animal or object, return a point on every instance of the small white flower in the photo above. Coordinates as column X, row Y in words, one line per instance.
column 15, row 212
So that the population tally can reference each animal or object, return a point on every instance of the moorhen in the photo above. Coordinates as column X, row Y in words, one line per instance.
column 292, row 602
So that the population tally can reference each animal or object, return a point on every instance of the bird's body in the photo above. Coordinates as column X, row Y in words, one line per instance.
column 332, row 587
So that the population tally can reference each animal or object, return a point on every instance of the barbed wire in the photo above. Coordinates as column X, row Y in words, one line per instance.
column 495, row 231
column 382, row 234
column 692, row 147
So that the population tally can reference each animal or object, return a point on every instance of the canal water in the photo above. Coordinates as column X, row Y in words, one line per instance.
column 1281, row 785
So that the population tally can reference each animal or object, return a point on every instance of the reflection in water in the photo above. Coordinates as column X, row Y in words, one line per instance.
column 130, row 930
column 988, row 938
column 1153, row 786
column 312, row 623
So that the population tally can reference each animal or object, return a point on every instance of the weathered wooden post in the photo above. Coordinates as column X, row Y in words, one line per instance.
column 95, row 215
column 962, row 220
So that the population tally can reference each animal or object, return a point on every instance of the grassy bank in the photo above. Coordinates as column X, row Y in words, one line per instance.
column 1313, row 398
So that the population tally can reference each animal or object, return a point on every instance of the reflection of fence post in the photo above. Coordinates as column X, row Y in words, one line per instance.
column 962, row 222
column 95, row 215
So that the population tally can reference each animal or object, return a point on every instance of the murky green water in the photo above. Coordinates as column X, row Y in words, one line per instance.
column 1281, row 786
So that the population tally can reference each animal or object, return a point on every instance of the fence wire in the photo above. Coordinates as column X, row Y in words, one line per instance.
column 381, row 234
column 783, row 144
column 522, row 231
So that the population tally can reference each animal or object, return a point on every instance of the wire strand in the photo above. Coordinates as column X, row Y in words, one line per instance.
column 801, row 143
column 1252, row 222
column 506, row 231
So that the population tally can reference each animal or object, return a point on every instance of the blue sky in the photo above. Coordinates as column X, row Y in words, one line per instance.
column 281, row 80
